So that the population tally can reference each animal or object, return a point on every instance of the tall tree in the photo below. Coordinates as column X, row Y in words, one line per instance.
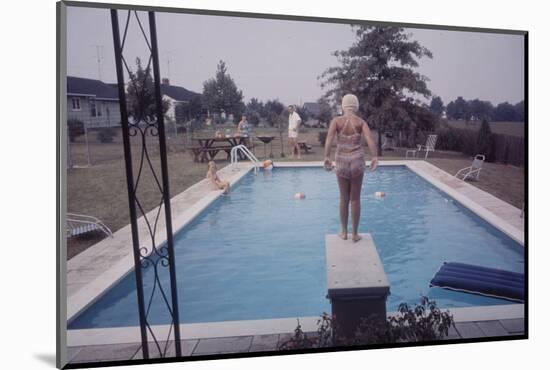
column 188, row 110
column 451, row 111
column 379, row 69
column 255, row 110
column 303, row 113
column 437, row 106
column 274, row 109
column 325, row 111
column 480, row 110
column 255, row 105
column 505, row 112
column 462, row 109
column 520, row 111
column 221, row 93
column 141, row 95
column 485, row 140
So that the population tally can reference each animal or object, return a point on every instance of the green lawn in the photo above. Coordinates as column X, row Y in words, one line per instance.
column 506, row 128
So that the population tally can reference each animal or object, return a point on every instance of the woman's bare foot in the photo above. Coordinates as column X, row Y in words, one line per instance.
column 355, row 237
column 343, row 235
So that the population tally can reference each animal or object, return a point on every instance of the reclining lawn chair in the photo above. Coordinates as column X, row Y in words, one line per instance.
column 473, row 170
column 428, row 147
column 82, row 224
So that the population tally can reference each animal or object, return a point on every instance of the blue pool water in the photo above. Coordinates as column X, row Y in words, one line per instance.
column 260, row 254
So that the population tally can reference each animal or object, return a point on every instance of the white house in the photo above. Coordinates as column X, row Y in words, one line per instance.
column 175, row 95
column 92, row 102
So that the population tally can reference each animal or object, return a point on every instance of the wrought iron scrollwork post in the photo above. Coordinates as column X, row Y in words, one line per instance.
column 143, row 126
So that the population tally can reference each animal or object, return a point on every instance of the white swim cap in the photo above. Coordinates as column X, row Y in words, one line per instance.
column 350, row 101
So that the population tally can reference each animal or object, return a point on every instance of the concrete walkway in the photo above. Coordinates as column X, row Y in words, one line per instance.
column 269, row 342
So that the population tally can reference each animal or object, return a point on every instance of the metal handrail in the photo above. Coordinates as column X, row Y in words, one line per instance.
column 247, row 153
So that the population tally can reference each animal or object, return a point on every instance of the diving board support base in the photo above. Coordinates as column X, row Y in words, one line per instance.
column 356, row 281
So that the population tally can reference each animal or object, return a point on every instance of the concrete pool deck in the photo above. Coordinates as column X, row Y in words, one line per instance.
column 94, row 271
column 267, row 335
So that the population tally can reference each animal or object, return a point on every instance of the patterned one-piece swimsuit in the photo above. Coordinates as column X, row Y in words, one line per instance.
column 350, row 157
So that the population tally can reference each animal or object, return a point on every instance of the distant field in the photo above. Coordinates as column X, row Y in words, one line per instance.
column 506, row 128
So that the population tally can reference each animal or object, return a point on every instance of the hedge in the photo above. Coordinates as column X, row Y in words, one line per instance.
column 503, row 148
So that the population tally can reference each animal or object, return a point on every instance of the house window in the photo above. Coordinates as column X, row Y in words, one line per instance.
column 93, row 108
column 100, row 108
column 75, row 103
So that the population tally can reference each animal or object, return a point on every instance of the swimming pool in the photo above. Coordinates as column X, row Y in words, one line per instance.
column 260, row 254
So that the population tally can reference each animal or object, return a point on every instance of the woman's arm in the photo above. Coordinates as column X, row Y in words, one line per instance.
column 371, row 144
column 328, row 144
column 330, row 138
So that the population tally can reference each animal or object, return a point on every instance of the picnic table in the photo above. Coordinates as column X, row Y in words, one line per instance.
column 206, row 148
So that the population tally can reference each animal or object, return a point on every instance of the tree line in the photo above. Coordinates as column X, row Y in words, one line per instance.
column 221, row 94
column 477, row 110
column 380, row 69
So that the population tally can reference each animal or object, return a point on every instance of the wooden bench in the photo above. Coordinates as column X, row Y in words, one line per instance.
column 202, row 154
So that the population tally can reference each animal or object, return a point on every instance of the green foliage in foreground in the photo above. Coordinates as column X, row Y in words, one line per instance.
column 423, row 322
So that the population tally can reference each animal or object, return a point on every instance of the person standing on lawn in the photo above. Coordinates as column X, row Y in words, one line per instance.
column 294, row 122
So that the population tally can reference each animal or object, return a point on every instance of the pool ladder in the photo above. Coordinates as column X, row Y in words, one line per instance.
column 247, row 153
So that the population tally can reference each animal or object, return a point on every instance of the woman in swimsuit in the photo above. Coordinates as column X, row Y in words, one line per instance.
column 215, row 180
column 350, row 161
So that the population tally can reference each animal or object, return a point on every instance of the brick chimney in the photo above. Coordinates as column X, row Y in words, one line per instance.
column 165, row 81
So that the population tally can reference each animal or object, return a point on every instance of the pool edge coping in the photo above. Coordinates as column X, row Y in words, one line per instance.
column 131, row 334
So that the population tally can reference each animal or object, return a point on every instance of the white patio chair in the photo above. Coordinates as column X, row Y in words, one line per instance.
column 82, row 224
column 429, row 146
column 473, row 170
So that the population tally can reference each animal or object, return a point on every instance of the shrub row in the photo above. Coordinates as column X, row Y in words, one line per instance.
column 496, row 147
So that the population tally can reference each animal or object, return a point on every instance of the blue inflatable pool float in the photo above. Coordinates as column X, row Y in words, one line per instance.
column 480, row 280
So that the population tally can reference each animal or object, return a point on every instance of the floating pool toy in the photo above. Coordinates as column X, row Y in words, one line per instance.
column 300, row 195
column 480, row 280
column 379, row 194
column 268, row 164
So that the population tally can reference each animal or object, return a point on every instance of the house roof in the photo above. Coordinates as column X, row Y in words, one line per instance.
column 177, row 93
column 87, row 86
column 313, row 108
column 99, row 89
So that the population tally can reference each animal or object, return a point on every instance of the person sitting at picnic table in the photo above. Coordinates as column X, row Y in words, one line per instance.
column 215, row 180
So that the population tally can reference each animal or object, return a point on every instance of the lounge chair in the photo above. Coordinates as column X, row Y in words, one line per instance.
column 473, row 170
column 428, row 147
column 82, row 224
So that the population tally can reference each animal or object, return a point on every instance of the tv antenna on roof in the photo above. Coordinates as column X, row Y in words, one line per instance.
column 168, row 60
column 99, row 58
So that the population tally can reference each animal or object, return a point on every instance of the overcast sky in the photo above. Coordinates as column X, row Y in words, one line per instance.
column 282, row 59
